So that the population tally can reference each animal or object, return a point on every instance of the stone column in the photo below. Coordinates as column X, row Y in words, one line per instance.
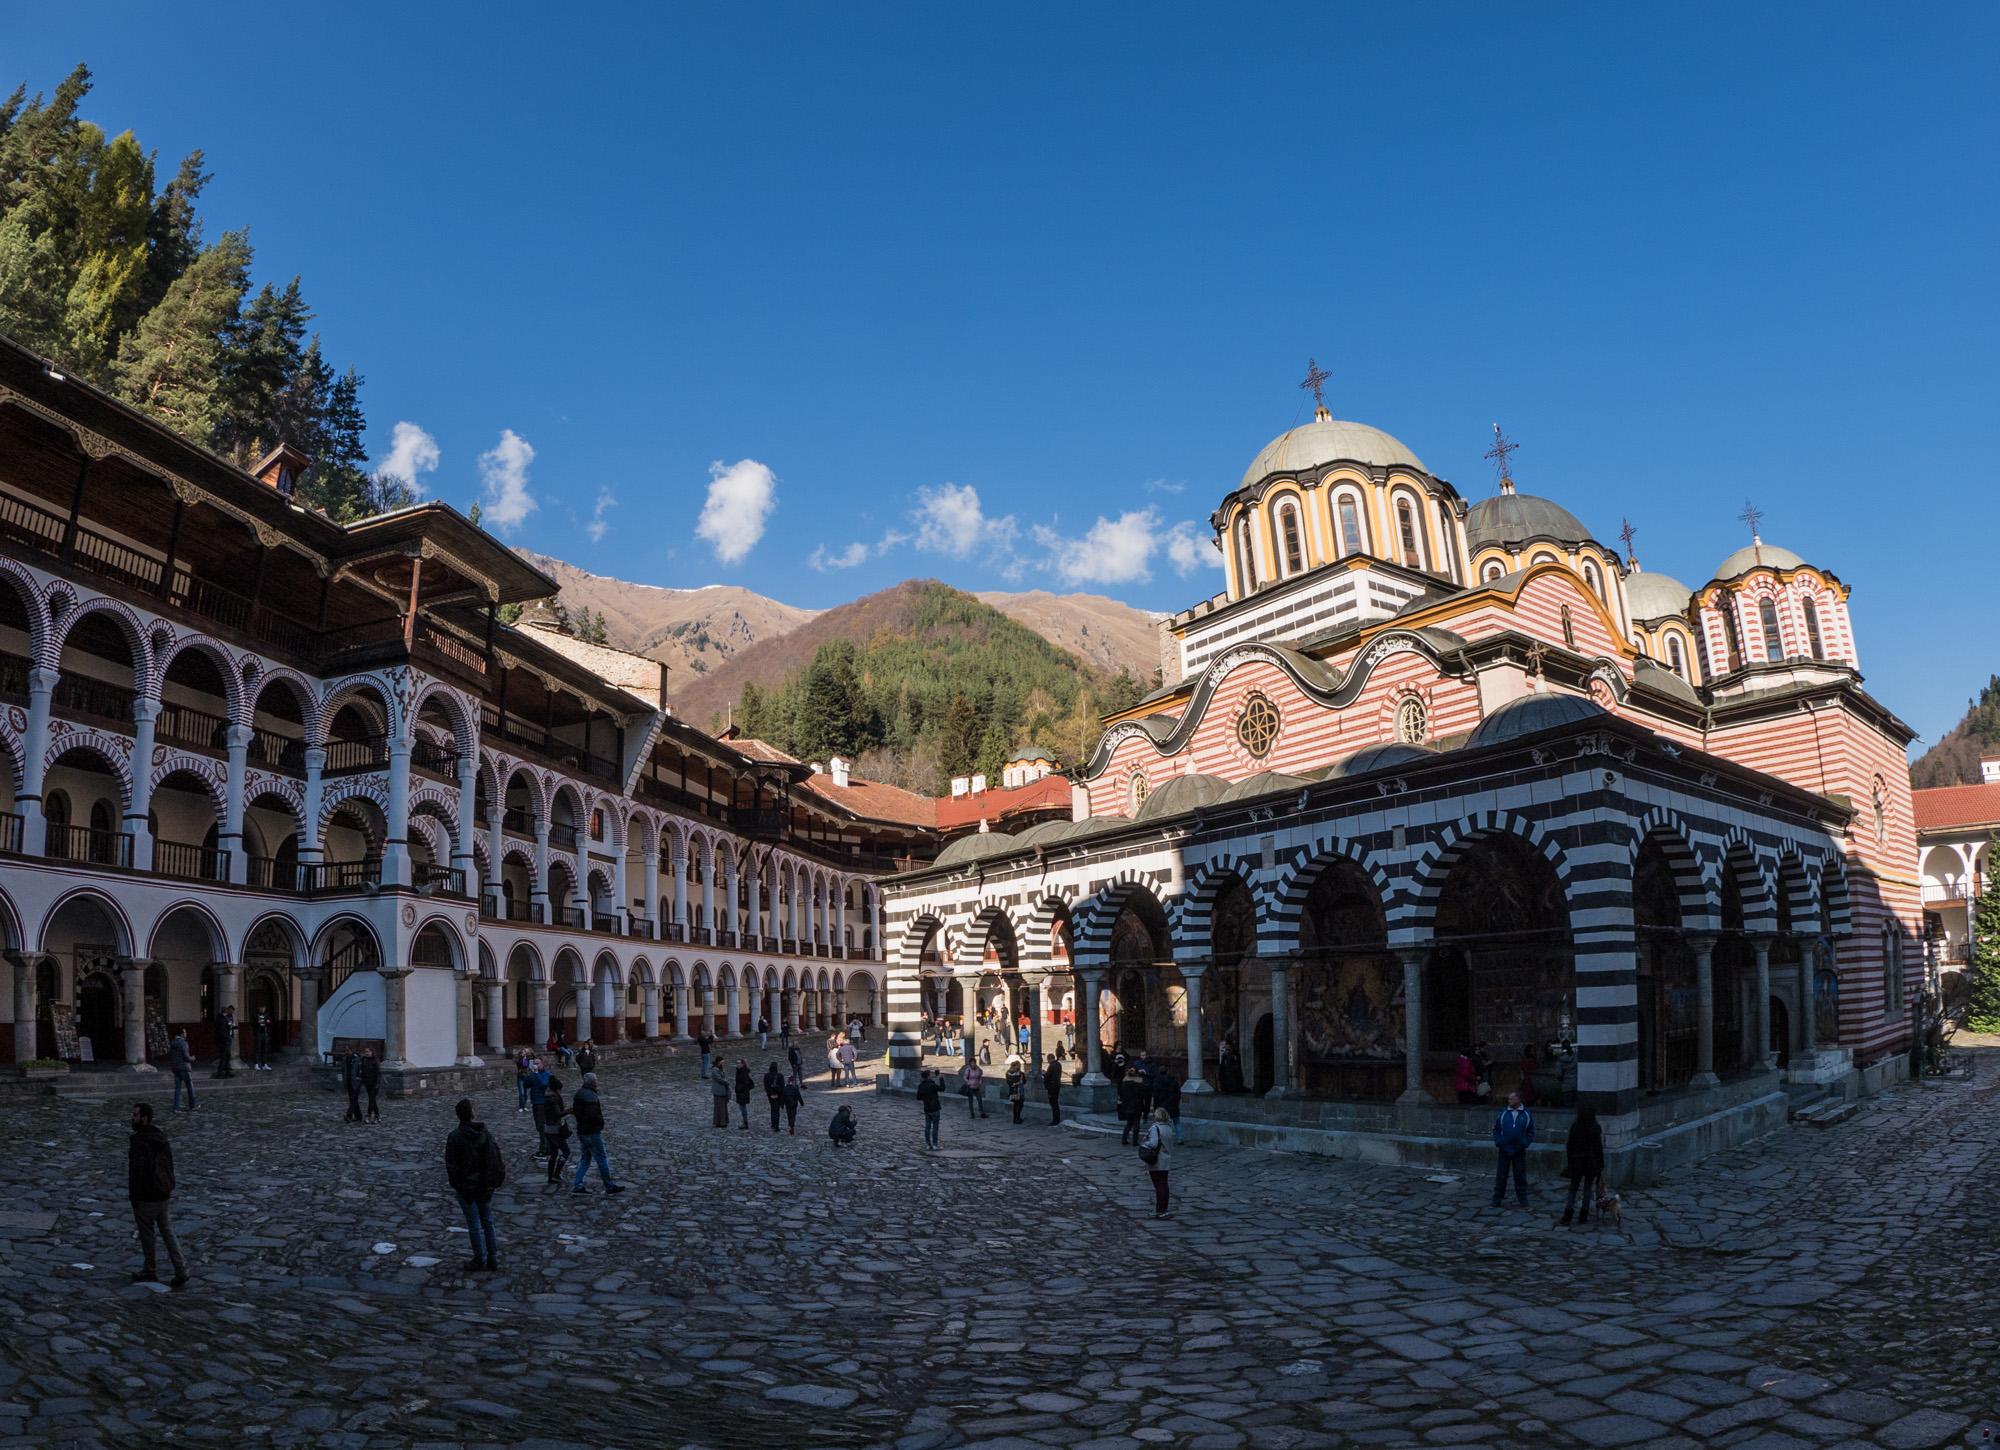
column 229, row 840
column 652, row 873
column 468, row 1038
column 708, row 1011
column 396, row 849
column 495, row 847
column 680, row 1010
column 1413, row 959
column 311, row 849
column 34, row 770
column 1087, row 982
column 496, row 1016
column 1191, row 974
column 1281, row 1030
column 538, row 889
column 681, row 894
column 1704, row 998
column 1765, row 1055
column 650, row 991
column 772, row 1006
column 735, row 1012
column 875, row 930
column 1808, row 1029
column 840, row 917
column 134, row 975
column 24, row 1007
column 145, row 724
column 395, row 1023
column 462, row 857
column 541, row 1014
column 619, row 894
column 708, row 895
column 307, row 1047
column 1036, row 985
column 228, row 981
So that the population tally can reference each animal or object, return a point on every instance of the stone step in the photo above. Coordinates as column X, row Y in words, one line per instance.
column 1826, row 1114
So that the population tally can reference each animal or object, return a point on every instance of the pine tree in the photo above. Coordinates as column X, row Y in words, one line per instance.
column 172, row 365
column 958, row 738
column 750, row 719
column 831, row 717
column 1983, row 1007
column 993, row 751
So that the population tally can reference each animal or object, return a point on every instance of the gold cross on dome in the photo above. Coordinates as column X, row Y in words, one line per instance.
column 1537, row 652
column 1315, row 382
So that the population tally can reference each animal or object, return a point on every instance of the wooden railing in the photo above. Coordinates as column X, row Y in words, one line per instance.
column 368, row 752
column 95, row 848
column 189, row 863
column 184, row 725
column 98, row 699
column 277, row 752
column 10, row 832
column 448, row 879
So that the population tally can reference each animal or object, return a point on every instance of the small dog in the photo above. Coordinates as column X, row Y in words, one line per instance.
column 1607, row 1208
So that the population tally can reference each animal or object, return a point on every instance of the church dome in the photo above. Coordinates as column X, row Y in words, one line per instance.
column 1508, row 519
column 1311, row 444
column 1654, row 596
column 1377, row 757
column 1751, row 555
column 1532, row 714
column 1182, row 793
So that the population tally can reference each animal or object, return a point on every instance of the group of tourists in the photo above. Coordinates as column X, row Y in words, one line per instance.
column 1583, row 1157
column 540, row 1092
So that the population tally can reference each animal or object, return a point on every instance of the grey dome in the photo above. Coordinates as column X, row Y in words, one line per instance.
column 1653, row 596
column 1532, row 714
column 1264, row 782
column 977, row 847
column 1514, row 518
column 1311, row 444
column 1751, row 555
column 1182, row 793
column 1378, row 757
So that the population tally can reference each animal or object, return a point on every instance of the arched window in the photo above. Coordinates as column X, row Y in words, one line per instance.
column 1246, row 560
column 1701, row 653
column 1569, row 628
column 1881, row 812
column 56, row 808
column 1813, row 641
column 1544, row 557
column 1406, row 524
column 1767, row 616
column 1729, row 634
column 1448, row 531
column 1494, row 570
column 1350, row 525
column 1596, row 582
column 1674, row 660
column 597, row 823
column 1135, row 791
column 1288, row 530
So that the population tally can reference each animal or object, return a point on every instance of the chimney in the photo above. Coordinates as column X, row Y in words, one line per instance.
column 959, row 785
column 281, row 468
column 839, row 767
column 978, row 784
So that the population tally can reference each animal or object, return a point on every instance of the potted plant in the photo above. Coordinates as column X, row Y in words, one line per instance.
column 37, row 1067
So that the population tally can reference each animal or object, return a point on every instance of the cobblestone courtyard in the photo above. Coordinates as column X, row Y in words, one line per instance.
column 1823, row 1287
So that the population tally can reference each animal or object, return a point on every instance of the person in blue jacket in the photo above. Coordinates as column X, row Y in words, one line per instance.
column 1513, row 1132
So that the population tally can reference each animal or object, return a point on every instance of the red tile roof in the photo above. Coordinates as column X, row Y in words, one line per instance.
column 1956, row 807
column 757, row 749
column 1048, row 793
column 872, row 800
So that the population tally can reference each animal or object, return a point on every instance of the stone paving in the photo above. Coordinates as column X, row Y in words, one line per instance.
column 1821, row 1288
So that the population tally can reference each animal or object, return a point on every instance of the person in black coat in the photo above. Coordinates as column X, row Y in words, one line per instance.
column 794, row 1099
column 774, row 1093
column 1052, row 1077
column 1129, row 1093
column 350, row 1078
column 371, row 1079
column 1583, row 1162
column 744, row 1082
column 1167, row 1094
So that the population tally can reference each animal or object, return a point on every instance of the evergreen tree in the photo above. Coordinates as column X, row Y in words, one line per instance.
column 958, row 738
column 172, row 366
column 750, row 719
column 993, row 751
column 1983, row 1008
column 831, row 717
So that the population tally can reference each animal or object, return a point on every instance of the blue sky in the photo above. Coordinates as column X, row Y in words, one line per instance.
column 812, row 299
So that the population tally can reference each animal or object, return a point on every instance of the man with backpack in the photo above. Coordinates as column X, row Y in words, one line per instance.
column 149, row 1182
column 475, row 1167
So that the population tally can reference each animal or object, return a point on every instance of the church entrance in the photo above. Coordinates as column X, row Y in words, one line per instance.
column 1263, row 1061
column 1781, row 1032
column 97, row 1016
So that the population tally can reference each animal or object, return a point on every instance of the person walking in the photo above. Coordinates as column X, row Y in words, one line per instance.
column 848, row 1057
column 538, row 1099
column 795, row 1098
column 744, row 1082
column 225, row 1036
column 1017, row 1086
column 841, row 1129
column 181, row 1060
column 763, row 1034
column 718, row 1089
column 785, row 1031
column 586, row 1058
column 973, row 1085
column 149, row 1182
column 1131, row 1122
column 523, row 1065
column 1052, row 1076
column 1156, row 1151
column 774, row 1092
column 932, row 1097
column 475, row 1166
column 260, row 1041
column 1583, row 1162
column 588, row 1110
column 795, row 1060
column 1023, row 1033
column 1513, row 1134
column 350, row 1077
column 371, row 1079
column 854, row 1030
column 1167, row 1094
column 706, row 1041
column 1467, row 1080
column 554, row 1139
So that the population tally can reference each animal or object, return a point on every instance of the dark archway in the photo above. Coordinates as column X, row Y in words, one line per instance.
column 1351, row 1010
column 1232, row 936
column 1669, row 1012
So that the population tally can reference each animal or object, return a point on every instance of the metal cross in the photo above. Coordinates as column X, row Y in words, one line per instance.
column 1752, row 516
column 1626, row 533
column 1537, row 652
column 1502, row 446
column 1315, row 382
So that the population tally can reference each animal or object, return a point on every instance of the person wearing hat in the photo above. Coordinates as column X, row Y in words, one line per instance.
column 1017, row 1085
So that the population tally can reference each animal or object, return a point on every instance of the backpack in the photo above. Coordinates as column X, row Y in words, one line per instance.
column 492, row 1162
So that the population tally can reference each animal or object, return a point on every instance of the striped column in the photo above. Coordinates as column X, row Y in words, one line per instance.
column 1607, row 968
column 906, row 1008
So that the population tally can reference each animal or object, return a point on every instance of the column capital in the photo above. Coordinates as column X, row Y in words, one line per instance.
column 238, row 737
column 145, row 710
column 1704, row 943
column 315, row 758
column 43, row 681
column 393, row 972
column 1412, row 951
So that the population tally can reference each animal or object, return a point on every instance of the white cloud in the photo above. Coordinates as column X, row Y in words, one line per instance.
column 599, row 524
column 411, row 451
column 951, row 521
column 847, row 558
column 741, row 496
column 1115, row 551
column 1190, row 548
column 1160, row 485
column 504, row 473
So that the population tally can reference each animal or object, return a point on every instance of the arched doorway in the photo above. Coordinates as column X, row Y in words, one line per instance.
column 1351, row 1007
column 98, row 1019
column 1669, row 1009
column 1232, row 936
column 1781, row 1031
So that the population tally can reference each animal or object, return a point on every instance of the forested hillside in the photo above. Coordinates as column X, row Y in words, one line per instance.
column 917, row 683
column 107, row 273
column 1954, row 760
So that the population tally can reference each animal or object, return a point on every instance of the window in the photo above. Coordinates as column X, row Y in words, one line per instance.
column 1288, row 529
column 1448, row 531
column 1730, row 635
column 1350, row 525
column 1674, row 660
column 1881, row 812
column 1569, row 628
column 1892, row 970
column 56, row 808
column 1246, row 560
column 1494, row 570
column 1596, row 583
column 1544, row 557
column 1413, row 721
column 1767, row 616
column 1701, row 652
column 1257, row 726
column 1812, row 631
column 1135, row 791
column 1406, row 522
column 597, row 823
